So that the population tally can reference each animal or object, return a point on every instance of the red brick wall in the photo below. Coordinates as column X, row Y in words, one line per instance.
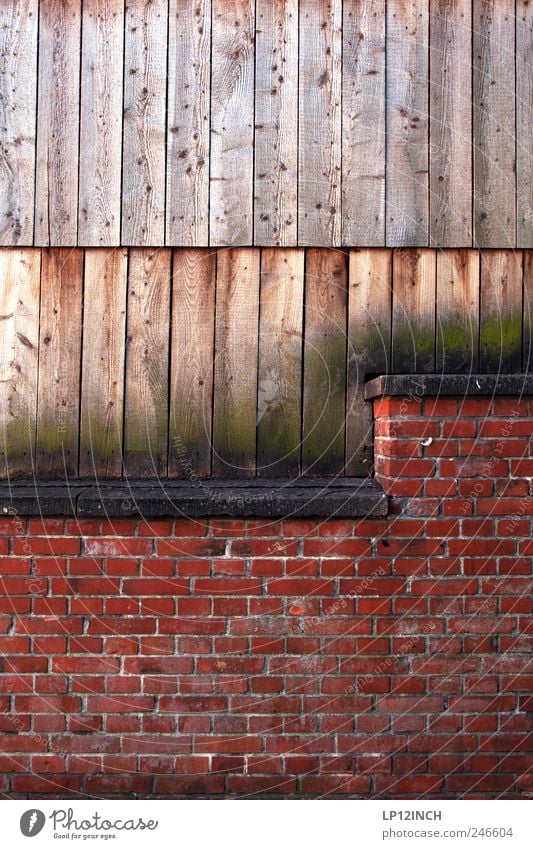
column 386, row 657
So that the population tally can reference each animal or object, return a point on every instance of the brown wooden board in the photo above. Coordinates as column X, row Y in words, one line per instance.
column 191, row 378
column 324, row 376
column 500, row 333
column 101, row 122
column 457, row 311
column 276, row 123
column 450, row 140
column 280, row 363
column 19, row 355
column 102, row 378
column 524, row 123
column 413, row 310
column 363, row 123
column 369, row 329
column 18, row 88
column 60, row 330
column 147, row 353
column 236, row 342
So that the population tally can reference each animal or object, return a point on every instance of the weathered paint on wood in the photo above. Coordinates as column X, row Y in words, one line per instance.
column 18, row 87
column 189, row 88
column 191, row 380
column 413, row 310
column 102, row 382
column 276, row 123
column 500, row 332
column 235, row 396
column 324, row 376
column 363, row 123
column 101, row 122
column 320, row 123
column 19, row 358
column 494, row 123
column 60, row 330
column 457, row 311
column 450, row 98
column 524, row 123
column 232, row 124
column 280, row 363
column 56, row 190
column 407, row 123
column 369, row 329
column 147, row 352
column 145, row 78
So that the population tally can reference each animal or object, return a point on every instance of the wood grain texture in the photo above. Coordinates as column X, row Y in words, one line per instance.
column 363, row 123
column 101, row 123
column 60, row 331
column 235, row 393
column 232, row 122
column 56, row 190
column 192, row 345
column 369, row 329
column 413, row 310
column 102, row 383
column 457, row 311
column 280, row 363
column 524, row 123
column 147, row 353
column 18, row 87
column 527, row 352
column 276, row 123
column 143, row 172
column 500, row 332
column 407, row 123
column 320, row 123
column 494, row 123
column 19, row 355
column 450, row 97
column 324, row 377
column 189, row 87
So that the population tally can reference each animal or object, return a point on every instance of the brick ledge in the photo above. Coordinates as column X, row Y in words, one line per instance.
column 473, row 385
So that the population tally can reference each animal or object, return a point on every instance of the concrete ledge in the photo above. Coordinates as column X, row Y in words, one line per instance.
column 473, row 385
column 303, row 497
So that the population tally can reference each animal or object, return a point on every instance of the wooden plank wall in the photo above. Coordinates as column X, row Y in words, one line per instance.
column 405, row 123
column 235, row 362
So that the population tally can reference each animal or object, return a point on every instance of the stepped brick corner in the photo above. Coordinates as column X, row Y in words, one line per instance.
column 365, row 657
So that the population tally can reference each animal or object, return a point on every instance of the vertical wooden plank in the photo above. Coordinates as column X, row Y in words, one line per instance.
column 524, row 123
column 56, row 190
column 189, row 86
column 407, row 123
column 143, row 167
column 324, row 390
column 18, row 86
column 494, row 124
column 413, row 310
column 369, row 327
column 280, row 363
column 232, row 122
column 320, row 123
column 500, row 332
column 527, row 353
column 191, row 380
column 363, row 123
column 102, row 382
column 450, row 98
column 59, row 363
column 147, row 338
column 236, row 337
column 19, row 347
column 276, row 123
column 457, row 311
column 101, row 122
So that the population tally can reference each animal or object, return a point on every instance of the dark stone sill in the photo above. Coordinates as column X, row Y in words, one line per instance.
column 303, row 497
column 413, row 386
